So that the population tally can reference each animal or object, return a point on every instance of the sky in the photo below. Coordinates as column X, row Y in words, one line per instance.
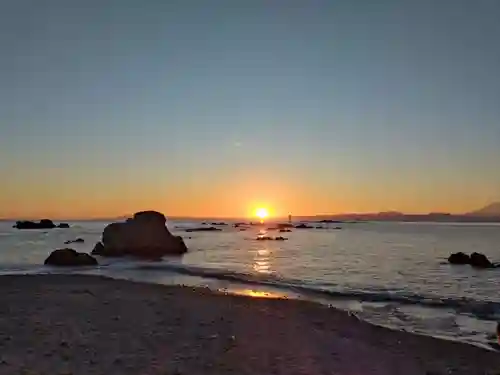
column 215, row 108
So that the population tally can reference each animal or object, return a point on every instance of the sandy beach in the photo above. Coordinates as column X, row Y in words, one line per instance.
column 91, row 325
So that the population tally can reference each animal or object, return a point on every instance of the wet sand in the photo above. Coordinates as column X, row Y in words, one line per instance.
column 58, row 324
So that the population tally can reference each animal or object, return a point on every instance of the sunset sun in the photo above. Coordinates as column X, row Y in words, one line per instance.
column 261, row 213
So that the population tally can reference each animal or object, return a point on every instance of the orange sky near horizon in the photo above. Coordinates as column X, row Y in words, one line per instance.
column 232, row 197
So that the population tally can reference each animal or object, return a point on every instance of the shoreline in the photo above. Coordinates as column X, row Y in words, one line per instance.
column 474, row 330
column 471, row 330
column 95, row 324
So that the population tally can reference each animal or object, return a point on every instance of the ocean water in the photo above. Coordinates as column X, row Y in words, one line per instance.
column 391, row 274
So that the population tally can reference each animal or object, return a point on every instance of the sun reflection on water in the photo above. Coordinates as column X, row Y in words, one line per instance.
column 261, row 261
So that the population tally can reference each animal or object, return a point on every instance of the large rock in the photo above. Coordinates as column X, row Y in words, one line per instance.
column 70, row 257
column 144, row 235
column 459, row 258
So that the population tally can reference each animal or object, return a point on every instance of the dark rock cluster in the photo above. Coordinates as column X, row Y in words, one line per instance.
column 42, row 224
column 476, row 260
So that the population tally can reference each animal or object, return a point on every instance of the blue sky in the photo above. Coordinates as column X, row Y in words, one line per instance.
column 313, row 105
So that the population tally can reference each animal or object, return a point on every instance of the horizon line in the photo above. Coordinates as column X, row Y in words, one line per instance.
column 174, row 217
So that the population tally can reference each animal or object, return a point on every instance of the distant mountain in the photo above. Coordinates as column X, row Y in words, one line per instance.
column 490, row 213
column 492, row 209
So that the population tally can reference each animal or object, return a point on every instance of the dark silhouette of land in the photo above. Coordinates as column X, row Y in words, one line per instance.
column 402, row 217
column 493, row 209
column 489, row 213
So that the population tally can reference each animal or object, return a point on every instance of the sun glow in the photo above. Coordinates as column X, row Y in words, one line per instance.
column 261, row 213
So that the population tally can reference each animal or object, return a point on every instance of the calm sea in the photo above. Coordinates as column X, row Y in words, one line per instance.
column 392, row 274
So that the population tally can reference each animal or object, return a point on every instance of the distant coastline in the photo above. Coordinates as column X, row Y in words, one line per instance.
column 402, row 217
column 488, row 214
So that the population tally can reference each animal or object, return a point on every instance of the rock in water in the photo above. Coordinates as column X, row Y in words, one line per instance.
column 304, row 226
column 203, row 229
column 70, row 257
column 268, row 238
column 144, row 235
column 459, row 258
column 479, row 260
column 476, row 260
column 42, row 224
column 78, row 240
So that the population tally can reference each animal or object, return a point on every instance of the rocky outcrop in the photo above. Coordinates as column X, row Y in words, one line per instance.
column 78, row 240
column 303, row 226
column 268, row 238
column 203, row 229
column 476, row 260
column 42, row 224
column 144, row 235
column 70, row 257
